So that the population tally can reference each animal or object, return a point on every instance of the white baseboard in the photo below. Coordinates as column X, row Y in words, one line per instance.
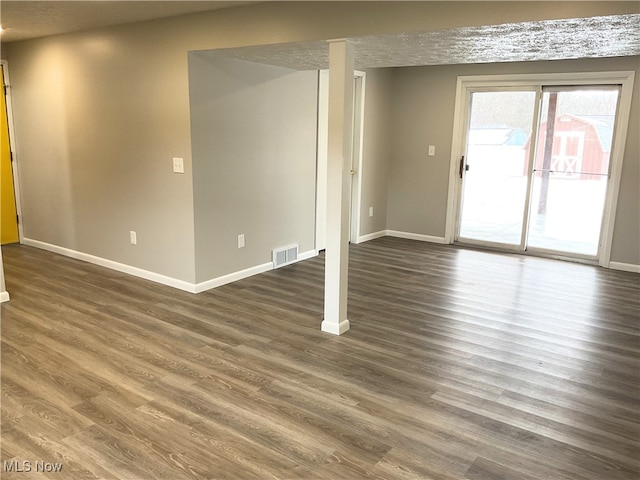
column 119, row 267
column 156, row 277
column 232, row 277
column 4, row 297
column 307, row 255
column 248, row 272
column 416, row 236
column 625, row 267
column 398, row 234
column 371, row 236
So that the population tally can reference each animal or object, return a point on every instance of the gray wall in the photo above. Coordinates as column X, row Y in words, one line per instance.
column 423, row 102
column 99, row 115
column 422, row 115
column 376, row 153
column 254, row 161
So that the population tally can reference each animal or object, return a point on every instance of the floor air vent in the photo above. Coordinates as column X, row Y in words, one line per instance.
column 285, row 256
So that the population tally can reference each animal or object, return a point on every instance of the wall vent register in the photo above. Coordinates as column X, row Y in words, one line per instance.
column 285, row 255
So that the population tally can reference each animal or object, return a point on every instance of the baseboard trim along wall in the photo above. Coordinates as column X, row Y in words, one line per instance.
column 398, row 234
column 232, row 277
column 372, row 236
column 248, row 272
column 4, row 297
column 119, row 267
column 156, row 277
column 625, row 267
column 416, row 236
column 307, row 255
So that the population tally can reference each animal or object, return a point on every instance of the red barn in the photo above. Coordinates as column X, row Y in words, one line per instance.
column 581, row 145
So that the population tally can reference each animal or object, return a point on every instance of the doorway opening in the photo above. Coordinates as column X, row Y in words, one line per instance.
column 9, row 204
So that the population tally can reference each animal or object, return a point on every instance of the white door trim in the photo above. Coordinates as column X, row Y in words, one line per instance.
column 623, row 78
column 617, row 158
column 321, row 174
column 12, row 144
column 358, row 143
column 321, row 162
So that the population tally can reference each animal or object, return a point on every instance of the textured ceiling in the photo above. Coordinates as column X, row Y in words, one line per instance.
column 592, row 37
column 607, row 36
column 25, row 19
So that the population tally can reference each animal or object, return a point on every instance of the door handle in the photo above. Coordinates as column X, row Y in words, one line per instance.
column 462, row 169
column 352, row 172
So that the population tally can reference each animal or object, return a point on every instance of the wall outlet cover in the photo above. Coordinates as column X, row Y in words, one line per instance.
column 178, row 165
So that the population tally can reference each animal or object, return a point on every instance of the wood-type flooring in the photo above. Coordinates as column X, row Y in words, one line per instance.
column 460, row 364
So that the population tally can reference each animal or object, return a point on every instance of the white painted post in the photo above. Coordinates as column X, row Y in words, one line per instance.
column 340, row 138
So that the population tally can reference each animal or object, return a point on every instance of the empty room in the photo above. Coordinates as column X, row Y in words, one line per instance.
column 320, row 240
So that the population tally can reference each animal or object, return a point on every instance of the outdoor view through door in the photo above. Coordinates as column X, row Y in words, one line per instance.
column 495, row 183
column 571, row 169
column 547, row 194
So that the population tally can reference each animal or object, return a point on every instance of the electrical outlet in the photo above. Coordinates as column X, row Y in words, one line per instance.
column 133, row 237
column 241, row 241
column 371, row 211
column 178, row 165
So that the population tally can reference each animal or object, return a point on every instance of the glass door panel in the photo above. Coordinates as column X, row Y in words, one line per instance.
column 495, row 169
column 571, row 169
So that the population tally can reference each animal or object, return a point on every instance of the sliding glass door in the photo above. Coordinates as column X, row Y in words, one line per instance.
column 535, row 170
column 571, row 169
column 495, row 167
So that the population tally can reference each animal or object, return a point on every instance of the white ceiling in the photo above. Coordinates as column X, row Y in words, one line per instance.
column 25, row 19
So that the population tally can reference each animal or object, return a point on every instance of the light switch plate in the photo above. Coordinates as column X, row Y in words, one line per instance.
column 432, row 150
column 178, row 165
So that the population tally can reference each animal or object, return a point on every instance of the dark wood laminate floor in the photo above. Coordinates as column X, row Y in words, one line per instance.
column 459, row 364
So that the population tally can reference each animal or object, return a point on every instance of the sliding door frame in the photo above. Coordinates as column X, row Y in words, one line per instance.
column 519, row 247
column 467, row 84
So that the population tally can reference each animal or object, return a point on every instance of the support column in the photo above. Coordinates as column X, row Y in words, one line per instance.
column 340, row 132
